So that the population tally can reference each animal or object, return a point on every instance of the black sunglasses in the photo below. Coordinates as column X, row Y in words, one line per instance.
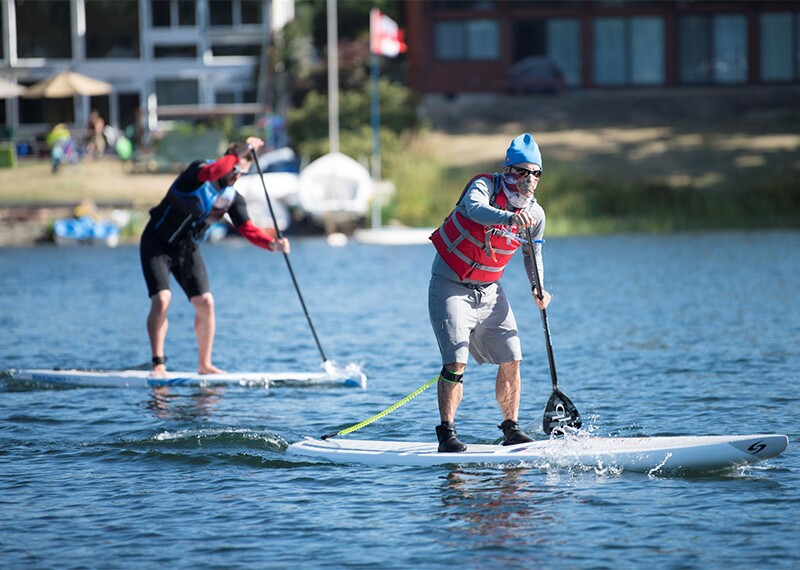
column 526, row 172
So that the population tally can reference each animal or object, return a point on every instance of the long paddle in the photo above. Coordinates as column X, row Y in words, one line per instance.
column 286, row 257
column 559, row 411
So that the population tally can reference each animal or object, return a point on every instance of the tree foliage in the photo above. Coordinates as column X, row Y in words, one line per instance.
column 307, row 117
column 308, row 124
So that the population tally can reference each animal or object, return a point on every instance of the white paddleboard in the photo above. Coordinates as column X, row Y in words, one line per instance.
column 350, row 376
column 640, row 454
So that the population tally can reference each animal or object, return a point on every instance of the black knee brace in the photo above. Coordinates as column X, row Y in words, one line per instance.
column 452, row 377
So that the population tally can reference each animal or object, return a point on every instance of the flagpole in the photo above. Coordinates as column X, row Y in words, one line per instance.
column 385, row 38
column 375, row 116
column 333, row 79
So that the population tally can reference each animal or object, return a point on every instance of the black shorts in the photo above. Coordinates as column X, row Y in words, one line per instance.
column 183, row 260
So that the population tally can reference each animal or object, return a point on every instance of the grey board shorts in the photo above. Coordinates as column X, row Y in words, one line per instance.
column 476, row 321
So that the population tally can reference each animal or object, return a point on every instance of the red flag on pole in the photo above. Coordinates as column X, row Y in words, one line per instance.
column 386, row 38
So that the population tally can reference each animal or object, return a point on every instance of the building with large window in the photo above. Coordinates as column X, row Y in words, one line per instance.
column 458, row 46
column 156, row 54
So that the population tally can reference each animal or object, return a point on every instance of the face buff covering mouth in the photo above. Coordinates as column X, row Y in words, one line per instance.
column 516, row 199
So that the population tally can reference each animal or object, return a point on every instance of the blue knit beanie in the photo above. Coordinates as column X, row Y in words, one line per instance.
column 523, row 149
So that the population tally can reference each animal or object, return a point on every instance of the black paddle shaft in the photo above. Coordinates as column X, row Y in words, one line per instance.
column 540, row 295
column 559, row 411
column 286, row 256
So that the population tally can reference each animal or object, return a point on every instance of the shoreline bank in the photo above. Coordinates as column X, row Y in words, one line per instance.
column 690, row 141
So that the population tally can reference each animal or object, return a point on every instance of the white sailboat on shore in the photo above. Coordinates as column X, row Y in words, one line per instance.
column 334, row 191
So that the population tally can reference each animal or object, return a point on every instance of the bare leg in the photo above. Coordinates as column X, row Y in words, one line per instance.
column 204, row 328
column 507, row 389
column 450, row 394
column 157, row 325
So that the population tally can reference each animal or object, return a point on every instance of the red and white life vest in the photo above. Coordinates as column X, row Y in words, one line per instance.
column 475, row 251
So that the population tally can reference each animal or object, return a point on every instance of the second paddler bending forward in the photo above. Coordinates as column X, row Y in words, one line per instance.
column 170, row 243
column 468, row 308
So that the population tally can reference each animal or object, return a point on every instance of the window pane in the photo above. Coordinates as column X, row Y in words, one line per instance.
column 483, row 40
column 609, row 51
column 179, row 51
column 477, row 40
column 160, row 11
column 463, row 5
column 251, row 11
column 694, row 50
column 776, row 47
column 221, row 50
column 187, row 10
column 647, row 51
column 221, row 12
column 118, row 40
column 527, row 4
column 47, row 29
column 225, row 97
column 48, row 111
column 730, row 49
column 564, row 47
column 449, row 40
column 177, row 91
column 530, row 38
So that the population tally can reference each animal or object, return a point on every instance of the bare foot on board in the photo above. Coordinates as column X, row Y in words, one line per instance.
column 209, row 369
column 159, row 371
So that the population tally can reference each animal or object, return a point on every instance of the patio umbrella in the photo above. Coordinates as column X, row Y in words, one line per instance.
column 67, row 84
column 9, row 89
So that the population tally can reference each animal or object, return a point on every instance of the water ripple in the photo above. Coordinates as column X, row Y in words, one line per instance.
column 661, row 338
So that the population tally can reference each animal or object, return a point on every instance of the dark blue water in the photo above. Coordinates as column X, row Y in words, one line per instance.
column 654, row 335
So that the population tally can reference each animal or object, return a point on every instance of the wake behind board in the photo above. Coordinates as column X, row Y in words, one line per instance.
column 350, row 376
column 639, row 454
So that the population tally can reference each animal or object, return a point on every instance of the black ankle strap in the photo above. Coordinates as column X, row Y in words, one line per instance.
column 159, row 360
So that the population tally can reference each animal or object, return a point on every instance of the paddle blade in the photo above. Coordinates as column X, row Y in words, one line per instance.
column 560, row 412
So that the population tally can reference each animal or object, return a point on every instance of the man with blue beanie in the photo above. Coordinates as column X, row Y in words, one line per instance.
column 468, row 308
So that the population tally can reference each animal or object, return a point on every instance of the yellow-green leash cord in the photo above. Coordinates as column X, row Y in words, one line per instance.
column 388, row 410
